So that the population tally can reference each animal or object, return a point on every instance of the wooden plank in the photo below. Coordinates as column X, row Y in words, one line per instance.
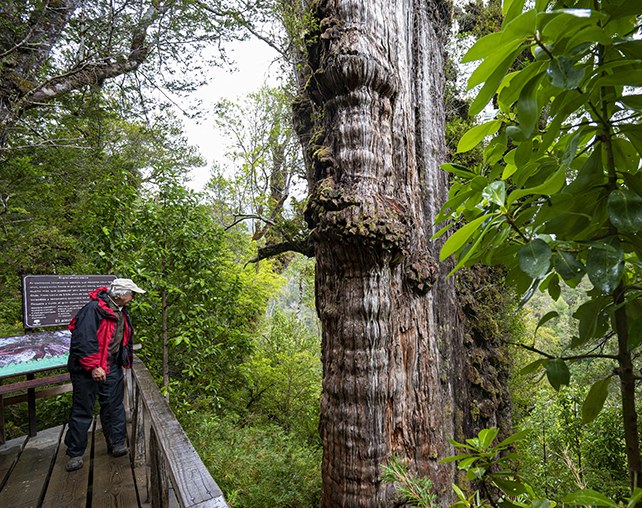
column 8, row 454
column 113, row 484
column 29, row 476
column 34, row 383
column 48, row 392
column 192, row 481
column 67, row 489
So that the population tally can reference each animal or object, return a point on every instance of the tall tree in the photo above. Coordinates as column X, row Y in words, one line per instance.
column 49, row 49
column 372, row 118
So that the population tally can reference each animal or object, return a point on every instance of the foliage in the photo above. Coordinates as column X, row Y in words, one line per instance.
column 268, row 169
column 258, row 466
column 490, row 466
column 562, row 455
column 282, row 379
column 413, row 490
column 559, row 193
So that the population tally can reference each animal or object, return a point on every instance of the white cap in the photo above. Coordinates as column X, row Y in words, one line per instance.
column 125, row 285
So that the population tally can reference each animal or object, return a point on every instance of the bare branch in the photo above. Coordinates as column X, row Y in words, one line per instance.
column 305, row 247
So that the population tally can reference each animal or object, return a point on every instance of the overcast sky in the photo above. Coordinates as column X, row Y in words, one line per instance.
column 253, row 59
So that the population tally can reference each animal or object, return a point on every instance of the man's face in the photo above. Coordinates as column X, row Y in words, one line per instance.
column 124, row 300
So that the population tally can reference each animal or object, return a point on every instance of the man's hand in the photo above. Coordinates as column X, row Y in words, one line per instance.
column 99, row 375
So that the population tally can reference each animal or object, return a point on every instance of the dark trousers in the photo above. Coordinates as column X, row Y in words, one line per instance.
column 112, row 411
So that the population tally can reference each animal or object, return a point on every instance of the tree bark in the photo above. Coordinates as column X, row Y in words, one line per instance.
column 393, row 344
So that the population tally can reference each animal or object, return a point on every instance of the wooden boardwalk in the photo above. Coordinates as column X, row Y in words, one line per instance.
column 163, row 469
column 33, row 475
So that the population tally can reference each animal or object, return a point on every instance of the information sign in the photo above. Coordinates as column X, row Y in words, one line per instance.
column 53, row 300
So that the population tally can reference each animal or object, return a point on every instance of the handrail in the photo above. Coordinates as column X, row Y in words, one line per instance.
column 159, row 444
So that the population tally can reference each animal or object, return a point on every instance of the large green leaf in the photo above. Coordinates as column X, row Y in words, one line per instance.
column 546, row 318
column 634, row 133
column 512, row 85
column 490, row 86
column 527, row 109
column 557, row 373
column 562, row 73
column 495, row 193
column 488, row 67
column 635, row 334
column 625, row 9
column 588, row 497
column 484, row 47
column 590, row 317
column 510, row 487
column 535, row 258
column 595, row 400
column 552, row 185
column 460, row 237
column 567, row 266
column 605, row 267
column 632, row 101
column 625, row 210
column 458, row 170
column 621, row 78
column 475, row 135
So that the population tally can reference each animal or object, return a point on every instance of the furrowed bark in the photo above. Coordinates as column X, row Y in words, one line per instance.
column 393, row 352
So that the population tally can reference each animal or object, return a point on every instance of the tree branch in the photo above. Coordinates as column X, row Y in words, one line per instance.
column 305, row 247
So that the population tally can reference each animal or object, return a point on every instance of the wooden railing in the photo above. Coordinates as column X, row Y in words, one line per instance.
column 160, row 447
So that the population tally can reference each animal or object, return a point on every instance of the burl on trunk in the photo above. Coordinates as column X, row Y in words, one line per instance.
column 393, row 344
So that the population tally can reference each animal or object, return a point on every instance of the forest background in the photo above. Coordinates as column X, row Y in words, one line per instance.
column 97, row 182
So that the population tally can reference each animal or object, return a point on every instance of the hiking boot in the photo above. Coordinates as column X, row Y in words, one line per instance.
column 119, row 451
column 74, row 463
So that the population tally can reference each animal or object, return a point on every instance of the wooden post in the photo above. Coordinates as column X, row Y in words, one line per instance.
column 159, row 481
column 3, row 435
column 31, row 403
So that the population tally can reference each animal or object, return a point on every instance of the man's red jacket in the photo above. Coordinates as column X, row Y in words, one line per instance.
column 92, row 333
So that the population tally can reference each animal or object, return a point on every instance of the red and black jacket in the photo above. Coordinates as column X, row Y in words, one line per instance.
column 92, row 333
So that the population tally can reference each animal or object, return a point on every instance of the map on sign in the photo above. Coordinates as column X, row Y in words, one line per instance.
column 27, row 353
column 53, row 300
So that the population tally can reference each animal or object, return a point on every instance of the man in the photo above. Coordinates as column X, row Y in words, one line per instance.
column 101, row 345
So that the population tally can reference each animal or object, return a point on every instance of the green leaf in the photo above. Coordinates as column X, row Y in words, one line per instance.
column 567, row 266
column 533, row 366
column 634, row 133
column 475, row 135
column 625, row 210
column 551, row 185
column 535, row 258
column 487, row 436
column 621, row 78
column 595, row 400
column 495, row 193
column 518, row 436
column 632, row 101
column 605, row 267
column 637, row 495
column 459, row 170
column 546, row 318
column 510, row 487
column 635, row 334
column 484, row 47
column 589, row 314
column 527, row 109
column 557, row 373
column 460, row 237
column 562, row 73
column 511, row 9
column 491, row 84
column 625, row 9
column 588, row 497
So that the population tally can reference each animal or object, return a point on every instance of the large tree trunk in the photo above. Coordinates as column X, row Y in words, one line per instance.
column 393, row 345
